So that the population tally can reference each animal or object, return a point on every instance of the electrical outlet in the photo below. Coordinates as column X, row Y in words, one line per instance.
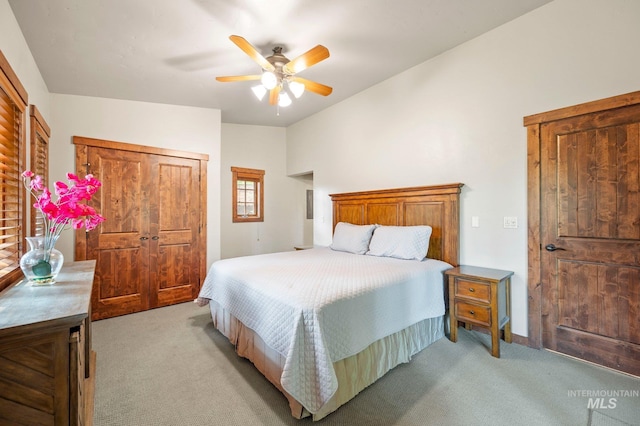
column 510, row 222
column 475, row 222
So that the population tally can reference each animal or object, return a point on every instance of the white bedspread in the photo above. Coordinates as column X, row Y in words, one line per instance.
column 318, row 306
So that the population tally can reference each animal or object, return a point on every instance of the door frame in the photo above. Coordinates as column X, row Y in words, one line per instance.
column 533, row 123
column 82, row 168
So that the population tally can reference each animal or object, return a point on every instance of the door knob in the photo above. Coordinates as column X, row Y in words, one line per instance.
column 155, row 238
column 552, row 247
column 144, row 238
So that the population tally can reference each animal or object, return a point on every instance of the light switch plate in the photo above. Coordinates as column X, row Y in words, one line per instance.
column 511, row 222
column 475, row 222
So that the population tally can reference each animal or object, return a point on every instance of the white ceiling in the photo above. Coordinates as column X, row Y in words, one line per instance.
column 170, row 51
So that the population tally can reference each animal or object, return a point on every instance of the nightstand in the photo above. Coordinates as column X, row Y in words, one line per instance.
column 481, row 297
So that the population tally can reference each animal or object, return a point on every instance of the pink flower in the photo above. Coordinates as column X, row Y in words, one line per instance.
column 69, row 208
column 61, row 188
column 90, row 223
column 37, row 184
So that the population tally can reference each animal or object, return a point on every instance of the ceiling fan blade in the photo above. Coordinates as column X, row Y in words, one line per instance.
column 314, row 87
column 304, row 61
column 252, row 52
column 273, row 95
column 231, row 78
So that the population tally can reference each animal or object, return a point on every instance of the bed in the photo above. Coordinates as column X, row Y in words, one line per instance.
column 286, row 312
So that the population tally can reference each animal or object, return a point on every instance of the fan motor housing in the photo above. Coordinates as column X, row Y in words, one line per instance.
column 278, row 60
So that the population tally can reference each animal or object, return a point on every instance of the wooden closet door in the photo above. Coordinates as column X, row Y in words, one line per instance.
column 174, row 218
column 151, row 250
column 120, row 245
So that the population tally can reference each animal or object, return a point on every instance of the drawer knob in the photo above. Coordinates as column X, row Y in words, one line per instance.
column 472, row 312
column 471, row 289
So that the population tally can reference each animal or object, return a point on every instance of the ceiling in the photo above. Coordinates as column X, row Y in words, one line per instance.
column 170, row 51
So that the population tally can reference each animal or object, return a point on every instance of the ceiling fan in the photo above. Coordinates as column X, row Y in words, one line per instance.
column 277, row 70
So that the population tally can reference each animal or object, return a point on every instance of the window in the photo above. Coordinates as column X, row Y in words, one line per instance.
column 248, row 195
column 40, row 133
column 13, row 104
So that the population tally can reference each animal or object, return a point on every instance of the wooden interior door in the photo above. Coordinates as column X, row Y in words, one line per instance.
column 120, row 245
column 590, row 236
column 174, row 226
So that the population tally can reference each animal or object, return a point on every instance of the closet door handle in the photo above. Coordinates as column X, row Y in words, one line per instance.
column 143, row 238
column 155, row 238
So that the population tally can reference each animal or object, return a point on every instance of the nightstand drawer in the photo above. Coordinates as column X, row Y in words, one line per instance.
column 480, row 315
column 473, row 290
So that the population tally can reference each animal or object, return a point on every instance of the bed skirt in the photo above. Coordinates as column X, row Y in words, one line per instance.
column 354, row 373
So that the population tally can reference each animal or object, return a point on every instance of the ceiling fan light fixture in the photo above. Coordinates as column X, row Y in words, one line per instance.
column 259, row 91
column 284, row 100
column 269, row 80
column 278, row 76
column 296, row 88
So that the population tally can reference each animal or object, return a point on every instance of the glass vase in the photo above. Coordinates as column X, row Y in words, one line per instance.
column 42, row 263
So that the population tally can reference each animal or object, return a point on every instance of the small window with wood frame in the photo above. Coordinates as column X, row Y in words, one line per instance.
column 40, row 133
column 248, row 195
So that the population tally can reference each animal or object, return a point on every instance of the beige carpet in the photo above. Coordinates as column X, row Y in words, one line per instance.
column 169, row 366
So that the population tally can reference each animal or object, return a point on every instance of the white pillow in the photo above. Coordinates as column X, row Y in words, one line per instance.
column 352, row 238
column 402, row 242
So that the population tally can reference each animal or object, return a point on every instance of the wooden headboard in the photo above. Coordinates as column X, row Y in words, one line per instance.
column 437, row 206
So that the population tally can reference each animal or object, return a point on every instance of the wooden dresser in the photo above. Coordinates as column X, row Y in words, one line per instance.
column 47, row 367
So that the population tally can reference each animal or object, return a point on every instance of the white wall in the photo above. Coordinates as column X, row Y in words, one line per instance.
column 157, row 125
column 15, row 49
column 260, row 147
column 458, row 118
